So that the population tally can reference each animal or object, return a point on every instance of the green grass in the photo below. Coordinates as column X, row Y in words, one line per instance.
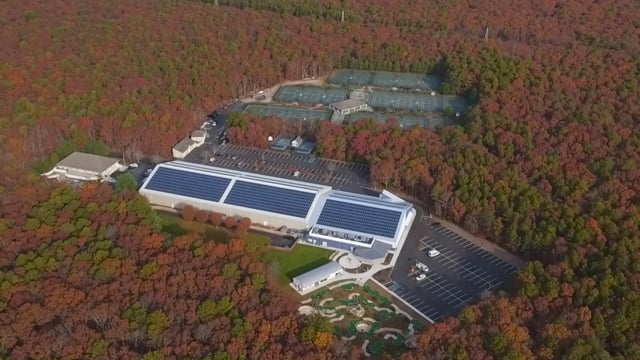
column 289, row 264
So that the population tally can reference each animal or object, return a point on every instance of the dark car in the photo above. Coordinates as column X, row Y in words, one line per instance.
column 435, row 224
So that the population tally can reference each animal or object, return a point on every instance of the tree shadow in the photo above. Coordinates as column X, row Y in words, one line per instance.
column 174, row 229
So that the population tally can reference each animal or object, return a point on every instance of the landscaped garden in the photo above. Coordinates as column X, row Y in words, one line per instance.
column 364, row 315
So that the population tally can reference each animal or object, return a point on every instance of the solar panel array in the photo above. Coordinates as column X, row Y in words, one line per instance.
column 270, row 198
column 190, row 184
column 416, row 102
column 287, row 112
column 385, row 79
column 310, row 94
column 359, row 218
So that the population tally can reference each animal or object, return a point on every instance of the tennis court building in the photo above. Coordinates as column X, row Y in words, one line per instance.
column 349, row 106
column 266, row 200
column 367, row 225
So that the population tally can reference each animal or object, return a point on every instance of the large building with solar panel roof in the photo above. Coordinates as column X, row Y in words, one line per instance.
column 265, row 200
column 367, row 225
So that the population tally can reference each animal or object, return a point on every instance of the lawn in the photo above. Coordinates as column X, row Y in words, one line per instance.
column 302, row 258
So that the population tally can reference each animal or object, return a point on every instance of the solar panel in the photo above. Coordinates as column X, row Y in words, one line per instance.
column 270, row 198
column 360, row 218
column 186, row 183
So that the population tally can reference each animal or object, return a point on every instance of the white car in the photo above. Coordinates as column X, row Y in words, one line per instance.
column 133, row 165
column 422, row 266
column 421, row 277
column 433, row 253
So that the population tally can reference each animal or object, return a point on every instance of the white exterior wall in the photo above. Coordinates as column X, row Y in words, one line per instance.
column 301, row 286
column 256, row 216
column 178, row 154
column 89, row 174
column 113, row 168
column 198, row 139
column 354, row 109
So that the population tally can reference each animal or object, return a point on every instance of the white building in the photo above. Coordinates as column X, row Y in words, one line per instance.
column 349, row 106
column 369, row 226
column 84, row 167
column 184, row 147
column 265, row 200
column 198, row 136
column 316, row 277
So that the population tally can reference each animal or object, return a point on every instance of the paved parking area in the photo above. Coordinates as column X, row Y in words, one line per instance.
column 339, row 174
column 414, row 300
column 456, row 277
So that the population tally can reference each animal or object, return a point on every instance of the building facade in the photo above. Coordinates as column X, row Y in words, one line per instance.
column 84, row 167
column 349, row 106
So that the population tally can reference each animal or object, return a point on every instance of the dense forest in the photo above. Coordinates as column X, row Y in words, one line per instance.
column 546, row 164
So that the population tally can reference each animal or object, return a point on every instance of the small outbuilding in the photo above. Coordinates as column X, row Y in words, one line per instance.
column 198, row 136
column 84, row 167
column 316, row 277
column 349, row 106
column 184, row 147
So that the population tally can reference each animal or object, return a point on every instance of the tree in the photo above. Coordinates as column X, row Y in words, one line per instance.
column 242, row 226
column 188, row 213
column 201, row 216
column 230, row 222
column 157, row 324
column 215, row 219
column 126, row 181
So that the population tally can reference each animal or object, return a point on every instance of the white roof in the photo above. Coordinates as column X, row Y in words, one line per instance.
column 87, row 162
column 184, row 144
column 347, row 104
column 198, row 133
column 318, row 274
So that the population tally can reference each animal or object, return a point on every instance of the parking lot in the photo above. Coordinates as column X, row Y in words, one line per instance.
column 456, row 277
column 339, row 174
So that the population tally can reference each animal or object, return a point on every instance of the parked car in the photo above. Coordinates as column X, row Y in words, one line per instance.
column 421, row 277
column 422, row 266
column 133, row 165
column 433, row 253
column 435, row 224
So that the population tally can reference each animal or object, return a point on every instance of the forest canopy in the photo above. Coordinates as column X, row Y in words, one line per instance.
column 546, row 164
